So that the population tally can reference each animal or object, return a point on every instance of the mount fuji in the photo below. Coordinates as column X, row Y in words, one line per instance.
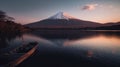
column 63, row 20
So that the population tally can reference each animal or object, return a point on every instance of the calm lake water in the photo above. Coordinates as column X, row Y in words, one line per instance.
column 63, row 48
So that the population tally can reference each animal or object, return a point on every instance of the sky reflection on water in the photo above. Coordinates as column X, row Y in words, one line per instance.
column 101, row 44
column 100, row 41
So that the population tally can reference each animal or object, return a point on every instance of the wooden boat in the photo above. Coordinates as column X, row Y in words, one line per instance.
column 21, row 53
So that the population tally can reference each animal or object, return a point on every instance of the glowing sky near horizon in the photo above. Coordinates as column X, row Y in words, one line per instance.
column 27, row 11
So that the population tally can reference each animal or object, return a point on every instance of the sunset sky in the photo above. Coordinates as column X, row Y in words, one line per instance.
column 27, row 11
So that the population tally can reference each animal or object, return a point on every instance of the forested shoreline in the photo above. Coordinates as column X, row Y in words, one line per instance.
column 9, row 29
column 9, row 26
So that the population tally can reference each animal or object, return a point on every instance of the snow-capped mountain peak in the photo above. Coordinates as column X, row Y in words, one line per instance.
column 61, row 15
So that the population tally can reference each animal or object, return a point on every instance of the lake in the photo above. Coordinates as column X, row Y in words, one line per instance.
column 73, row 48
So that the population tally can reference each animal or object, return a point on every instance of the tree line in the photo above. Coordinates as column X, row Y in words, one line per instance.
column 8, row 25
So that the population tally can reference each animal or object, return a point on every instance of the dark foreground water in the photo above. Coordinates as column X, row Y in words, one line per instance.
column 70, row 48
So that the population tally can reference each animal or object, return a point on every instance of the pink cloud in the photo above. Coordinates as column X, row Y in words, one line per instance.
column 90, row 7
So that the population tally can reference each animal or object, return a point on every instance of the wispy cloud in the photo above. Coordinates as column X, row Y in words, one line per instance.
column 90, row 7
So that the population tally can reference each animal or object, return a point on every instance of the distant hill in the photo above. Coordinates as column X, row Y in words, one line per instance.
column 111, row 23
column 112, row 27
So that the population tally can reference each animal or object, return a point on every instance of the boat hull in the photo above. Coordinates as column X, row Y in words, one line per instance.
column 22, row 58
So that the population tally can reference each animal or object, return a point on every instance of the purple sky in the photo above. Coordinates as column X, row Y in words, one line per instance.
column 27, row 11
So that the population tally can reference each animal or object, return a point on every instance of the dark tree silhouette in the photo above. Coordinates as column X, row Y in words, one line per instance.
column 8, row 25
column 4, row 17
column 9, row 29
